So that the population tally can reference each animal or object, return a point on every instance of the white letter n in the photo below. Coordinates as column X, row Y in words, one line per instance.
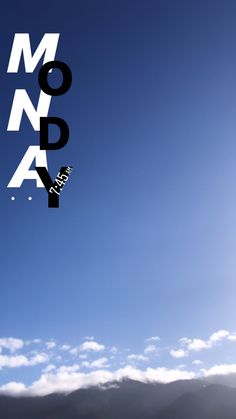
column 22, row 102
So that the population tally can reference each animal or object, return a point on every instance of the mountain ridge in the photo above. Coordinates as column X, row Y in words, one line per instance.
column 128, row 399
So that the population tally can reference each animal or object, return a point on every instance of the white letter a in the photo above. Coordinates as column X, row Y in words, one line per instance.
column 22, row 172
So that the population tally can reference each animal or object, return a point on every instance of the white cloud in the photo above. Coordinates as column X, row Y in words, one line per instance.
column 150, row 349
column 196, row 344
column 38, row 359
column 181, row 366
column 16, row 361
column 74, row 351
column 178, row 353
column 65, row 347
column 13, row 388
column 91, row 346
column 12, row 344
column 152, row 339
column 135, row 357
column 197, row 362
column 36, row 340
column 49, row 368
column 232, row 337
column 13, row 361
column 222, row 369
column 98, row 363
column 87, row 346
column 218, row 336
column 68, row 369
column 65, row 381
column 51, row 344
column 33, row 342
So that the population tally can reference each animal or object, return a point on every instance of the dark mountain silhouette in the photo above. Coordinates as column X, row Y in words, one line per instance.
column 228, row 380
column 211, row 402
column 129, row 399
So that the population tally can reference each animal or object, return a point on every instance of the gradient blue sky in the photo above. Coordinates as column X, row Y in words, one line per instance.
column 144, row 241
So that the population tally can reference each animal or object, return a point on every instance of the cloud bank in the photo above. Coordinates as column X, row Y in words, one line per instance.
column 62, row 367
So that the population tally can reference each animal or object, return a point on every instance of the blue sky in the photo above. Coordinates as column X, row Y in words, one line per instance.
column 143, row 244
